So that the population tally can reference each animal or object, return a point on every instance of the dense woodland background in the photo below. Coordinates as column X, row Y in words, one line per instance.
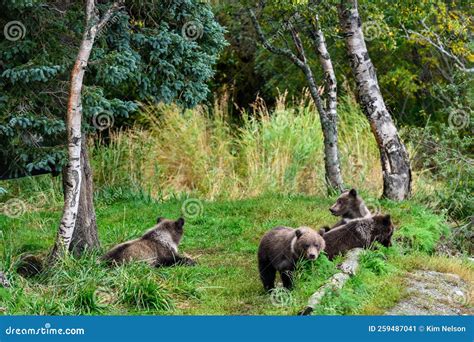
column 133, row 66
column 181, row 100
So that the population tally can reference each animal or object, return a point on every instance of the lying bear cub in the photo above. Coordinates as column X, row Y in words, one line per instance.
column 280, row 249
column 360, row 233
column 158, row 246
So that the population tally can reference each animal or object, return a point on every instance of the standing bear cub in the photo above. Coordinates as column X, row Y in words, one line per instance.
column 158, row 246
column 280, row 249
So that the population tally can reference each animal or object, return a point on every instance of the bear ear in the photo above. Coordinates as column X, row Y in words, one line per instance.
column 159, row 219
column 180, row 222
column 298, row 233
column 387, row 220
column 353, row 192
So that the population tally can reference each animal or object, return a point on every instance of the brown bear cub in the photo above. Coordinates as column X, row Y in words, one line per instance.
column 349, row 206
column 280, row 249
column 360, row 233
column 158, row 246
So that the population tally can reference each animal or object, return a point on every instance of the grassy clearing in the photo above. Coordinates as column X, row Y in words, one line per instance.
column 238, row 169
column 224, row 239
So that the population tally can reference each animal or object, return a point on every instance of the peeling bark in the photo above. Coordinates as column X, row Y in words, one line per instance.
column 73, row 175
column 331, row 151
column 85, row 236
column 393, row 154
column 328, row 119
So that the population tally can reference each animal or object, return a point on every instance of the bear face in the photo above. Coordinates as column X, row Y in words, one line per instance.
column 349, row 205
column 308, row 243
column 383, row 229
column 168, row 231
column 281, row 248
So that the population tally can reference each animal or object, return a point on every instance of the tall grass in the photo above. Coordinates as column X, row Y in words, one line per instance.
column 201, row 151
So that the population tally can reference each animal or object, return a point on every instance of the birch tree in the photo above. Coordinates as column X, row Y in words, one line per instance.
column 73, row 174
column 393, row 154
column 331, row 151
column 328, row 115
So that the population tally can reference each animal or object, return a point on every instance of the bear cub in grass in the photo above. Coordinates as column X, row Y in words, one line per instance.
column 361, row 233
column 158, row 246
column 280, row 249
column 349, row 206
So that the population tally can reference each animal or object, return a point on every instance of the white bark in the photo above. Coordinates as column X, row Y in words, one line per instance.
column 328, row 120
column 393, row 154
column 331, row 147
column 73, row 172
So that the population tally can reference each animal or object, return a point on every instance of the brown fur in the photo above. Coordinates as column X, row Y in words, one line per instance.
column 30, row 265
column 158, row 246
column 349, row 205
column 280, row 249
column 360, row 233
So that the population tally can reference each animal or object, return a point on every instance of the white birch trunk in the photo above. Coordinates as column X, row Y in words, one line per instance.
column 328, row 123
column 73, row 174
column 331, row 151
column 393, row 154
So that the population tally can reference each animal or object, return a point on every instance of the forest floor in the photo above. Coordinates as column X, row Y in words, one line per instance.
column 434, row 293
column 223, row 237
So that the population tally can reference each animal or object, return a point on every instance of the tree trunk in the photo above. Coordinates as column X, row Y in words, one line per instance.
column 393, row 154
column 328, row 123
column 73, row 173
column 329, row 128
column 85, row 236
column 331, row 151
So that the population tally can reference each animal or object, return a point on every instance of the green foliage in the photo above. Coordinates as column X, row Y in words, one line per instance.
column 144, row 293
column 143, row 53
column 446, row 156
column 224, row 240
column 376, row 260
column 410, row 71
column 420, row 230
column 276, row 150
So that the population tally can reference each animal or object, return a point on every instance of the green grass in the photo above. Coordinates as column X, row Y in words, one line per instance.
column 224, row 240
column 203, row 151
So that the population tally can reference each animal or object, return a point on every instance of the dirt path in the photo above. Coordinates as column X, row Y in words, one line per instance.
column 435, row 293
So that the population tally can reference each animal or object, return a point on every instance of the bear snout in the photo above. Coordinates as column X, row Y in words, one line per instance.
column 312, row 254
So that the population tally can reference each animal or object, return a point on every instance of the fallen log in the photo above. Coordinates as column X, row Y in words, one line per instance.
column 336, row 282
